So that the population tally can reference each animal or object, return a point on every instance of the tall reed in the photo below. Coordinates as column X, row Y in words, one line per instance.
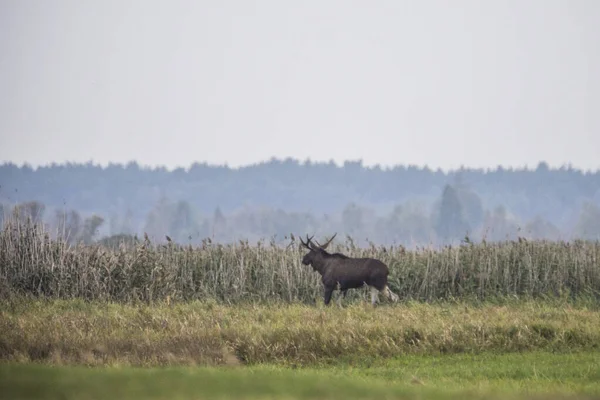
column 33, row 263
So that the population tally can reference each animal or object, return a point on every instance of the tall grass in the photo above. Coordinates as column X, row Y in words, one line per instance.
column 33, row 263
column 203, row 333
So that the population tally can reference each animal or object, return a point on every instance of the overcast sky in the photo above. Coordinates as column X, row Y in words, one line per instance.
column 437, row 83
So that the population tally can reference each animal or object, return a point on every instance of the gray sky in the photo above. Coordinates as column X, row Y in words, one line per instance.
column 442, row 83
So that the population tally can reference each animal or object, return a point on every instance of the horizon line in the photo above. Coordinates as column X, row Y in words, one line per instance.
column 303, row 162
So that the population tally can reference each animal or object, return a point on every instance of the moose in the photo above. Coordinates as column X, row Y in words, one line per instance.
column 339, row 271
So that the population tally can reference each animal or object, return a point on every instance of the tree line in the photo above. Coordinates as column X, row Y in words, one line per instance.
column 406, row 205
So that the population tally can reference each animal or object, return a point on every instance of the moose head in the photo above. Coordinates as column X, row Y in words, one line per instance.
column 316, row 253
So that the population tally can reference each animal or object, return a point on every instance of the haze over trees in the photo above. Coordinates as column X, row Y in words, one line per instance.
column 405, row 205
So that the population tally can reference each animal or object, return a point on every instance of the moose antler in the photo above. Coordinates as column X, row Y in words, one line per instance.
column 327, row 243
column 308, row 242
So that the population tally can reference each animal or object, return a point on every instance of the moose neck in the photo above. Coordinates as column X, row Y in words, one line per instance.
column 320, row 262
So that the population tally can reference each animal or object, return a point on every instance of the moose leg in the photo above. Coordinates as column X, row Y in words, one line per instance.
column 341, row 296
column 374, row 296
column 389, row 294
column 328, row 293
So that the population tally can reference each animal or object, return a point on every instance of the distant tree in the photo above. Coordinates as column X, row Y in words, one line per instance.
column 68, row 225
column 352, row 220
column 183, row 224
column 2, row 216
column 470, row 201
column 127, row 223
column 219, row 224
column 588, row 226
column 32, row 211
column 451, row 222
column 73, row 226
column 407, row 225
column 596, row 198
column 115, row 241
column 539, row 228
column 90, row 228
column 418, row 225
column 500, row 226
column 113, row 224
column 158, row 221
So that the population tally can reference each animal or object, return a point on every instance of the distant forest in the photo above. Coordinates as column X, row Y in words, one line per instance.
column 405, row 205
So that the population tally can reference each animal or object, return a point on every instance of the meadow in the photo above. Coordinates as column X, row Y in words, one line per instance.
column 490, row 320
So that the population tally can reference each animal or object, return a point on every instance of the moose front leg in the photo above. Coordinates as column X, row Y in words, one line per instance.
column 341, row 296
column 328, row 293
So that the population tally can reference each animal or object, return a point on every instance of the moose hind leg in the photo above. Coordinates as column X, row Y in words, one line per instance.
column 374, row 295
column 389, row 294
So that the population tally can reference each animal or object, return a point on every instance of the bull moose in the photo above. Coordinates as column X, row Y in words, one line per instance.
column 339, row 271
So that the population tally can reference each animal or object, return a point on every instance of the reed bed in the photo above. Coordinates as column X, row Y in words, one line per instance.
column 33, row 263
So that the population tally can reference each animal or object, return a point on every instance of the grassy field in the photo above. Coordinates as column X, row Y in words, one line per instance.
column 207, row 333
column 507, row 320
column 533, row 375
column 74, row 349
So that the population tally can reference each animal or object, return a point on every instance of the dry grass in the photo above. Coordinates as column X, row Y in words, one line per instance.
column 206, row 333
column 32, row 263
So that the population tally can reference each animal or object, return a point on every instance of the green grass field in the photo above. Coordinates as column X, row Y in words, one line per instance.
column 459, row 376
column 72, row 349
